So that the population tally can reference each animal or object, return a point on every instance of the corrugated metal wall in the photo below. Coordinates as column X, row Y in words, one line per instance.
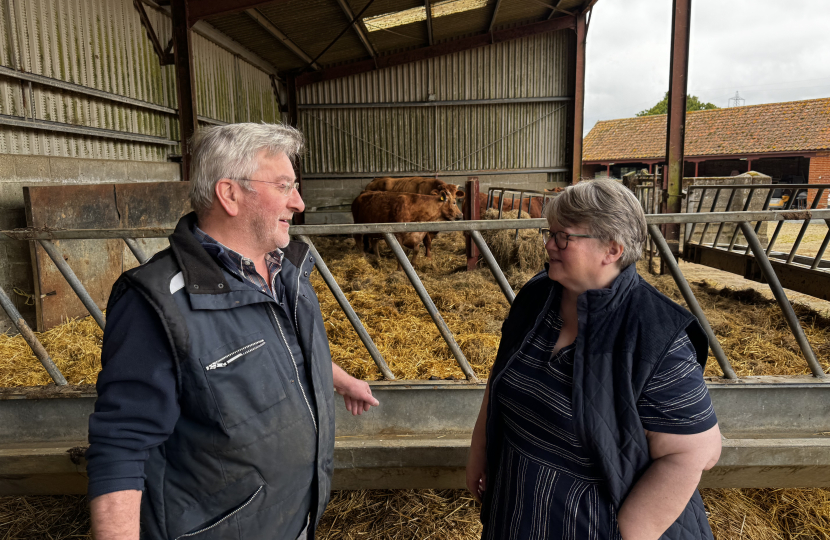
column 101, row 44
column 511, row 136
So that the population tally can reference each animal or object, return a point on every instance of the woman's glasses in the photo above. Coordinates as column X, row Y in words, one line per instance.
column 561, row 237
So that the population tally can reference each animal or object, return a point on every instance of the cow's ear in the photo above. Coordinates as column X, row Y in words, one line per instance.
column 443, row 197
column 435, row 192
column 459, row 194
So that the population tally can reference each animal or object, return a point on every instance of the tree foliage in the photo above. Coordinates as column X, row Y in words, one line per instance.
column 692, row 104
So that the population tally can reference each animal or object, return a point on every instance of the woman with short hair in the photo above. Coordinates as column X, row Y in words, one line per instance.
column 596, row 423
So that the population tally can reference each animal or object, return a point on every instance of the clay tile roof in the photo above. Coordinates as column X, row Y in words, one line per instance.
column 755, row 129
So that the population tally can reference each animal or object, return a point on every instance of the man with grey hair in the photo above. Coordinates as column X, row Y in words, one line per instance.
column 215, row 414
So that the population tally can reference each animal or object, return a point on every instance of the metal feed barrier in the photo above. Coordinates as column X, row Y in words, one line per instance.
column 775, row 427
column 805, row 274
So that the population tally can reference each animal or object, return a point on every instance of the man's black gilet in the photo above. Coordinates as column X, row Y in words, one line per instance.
column 245, row 443
column 624, row 333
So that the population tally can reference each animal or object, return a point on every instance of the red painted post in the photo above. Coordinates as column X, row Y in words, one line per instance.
column 472, row 210
column 676, row 120
column 697, row 168
column 748, row 165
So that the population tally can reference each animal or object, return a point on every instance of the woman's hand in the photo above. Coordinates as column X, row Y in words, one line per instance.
column 477, row 471
column 477, row 459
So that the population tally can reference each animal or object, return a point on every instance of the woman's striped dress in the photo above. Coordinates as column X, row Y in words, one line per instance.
column 547, row 487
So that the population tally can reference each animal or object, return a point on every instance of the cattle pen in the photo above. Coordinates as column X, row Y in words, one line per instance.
column 100, row 99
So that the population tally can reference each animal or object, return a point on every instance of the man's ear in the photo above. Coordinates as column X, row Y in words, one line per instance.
column 227, row 193
column 613, row 253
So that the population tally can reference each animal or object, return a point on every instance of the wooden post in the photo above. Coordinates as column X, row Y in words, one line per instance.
column 579, row 98
column 185, row 79
column 472, row 211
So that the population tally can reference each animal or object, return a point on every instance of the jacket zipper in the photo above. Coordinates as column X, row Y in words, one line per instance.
column 297, row 295
column 235, row 355
column 293, row 363
column 200, row 531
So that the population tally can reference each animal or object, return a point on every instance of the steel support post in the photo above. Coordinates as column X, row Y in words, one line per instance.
column 136, row 249
column 443, row 329
column 185, row 79
column 778, row 291
column 31, row 339
column 579, row 96
column 691, row 301
column 294, row 121
column 349, row 311
column 823, row 247
column 494, row 266
column 676, row 119
column 473, row 211
column 73, row 281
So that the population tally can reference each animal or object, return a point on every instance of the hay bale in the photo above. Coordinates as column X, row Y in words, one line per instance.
column 524, row 254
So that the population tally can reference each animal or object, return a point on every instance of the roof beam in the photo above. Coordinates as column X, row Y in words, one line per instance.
column 210, row 8
column 428, row 10
column 358, row 27
column 269, row 27
column 415, row 55
column 555, row 8
column 495, row 14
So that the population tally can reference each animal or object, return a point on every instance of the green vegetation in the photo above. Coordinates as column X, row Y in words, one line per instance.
column 692, row 104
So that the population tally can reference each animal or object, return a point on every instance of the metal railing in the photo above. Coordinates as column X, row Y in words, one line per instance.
column 388, row 230
column 524, row 195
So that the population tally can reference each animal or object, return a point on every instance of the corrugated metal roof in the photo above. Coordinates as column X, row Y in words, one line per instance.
column 314, row 24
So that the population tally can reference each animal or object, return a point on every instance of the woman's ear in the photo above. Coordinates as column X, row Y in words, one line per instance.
column 613, row 253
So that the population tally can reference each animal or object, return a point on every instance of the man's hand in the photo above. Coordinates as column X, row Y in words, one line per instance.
column 356, row 393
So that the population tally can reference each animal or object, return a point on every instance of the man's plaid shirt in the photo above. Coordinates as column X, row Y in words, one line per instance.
column 241, row 266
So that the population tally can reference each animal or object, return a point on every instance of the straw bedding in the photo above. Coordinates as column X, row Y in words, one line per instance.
column 750, row 327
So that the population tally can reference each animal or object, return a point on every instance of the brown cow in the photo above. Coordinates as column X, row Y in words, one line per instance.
column 394, row 207
column 416, row 184
column 413, row 184
column 529, row 206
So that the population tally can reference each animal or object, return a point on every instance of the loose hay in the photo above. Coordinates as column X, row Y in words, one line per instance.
column 749, row 326
column 734, row 514
column 524, row 253
column 752, row 330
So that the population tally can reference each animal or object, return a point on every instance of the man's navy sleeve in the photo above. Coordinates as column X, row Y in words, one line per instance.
column 137, row 406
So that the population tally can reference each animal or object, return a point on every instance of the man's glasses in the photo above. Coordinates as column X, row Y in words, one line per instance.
column 561, row 237
column 286, row 189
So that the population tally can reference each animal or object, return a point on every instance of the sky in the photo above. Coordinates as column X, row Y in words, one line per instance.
column 768, row 50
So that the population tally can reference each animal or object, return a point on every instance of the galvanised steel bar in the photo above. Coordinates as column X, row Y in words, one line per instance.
column 699, row 206
column 758, row 224
column 823, row 247
column 803, row 230
column 31, row 339
column 460, row 172
column 430, row 226
column 443, row 329
column 349, row 311
column 501, row 204
column 691, row 301
column 714, row 205
column 73, row 281
column 760, row 186
column 728, row 208
column 778, row 291
column 494, row 266
column 745, row 208
column 780, row 224
column 136, row 249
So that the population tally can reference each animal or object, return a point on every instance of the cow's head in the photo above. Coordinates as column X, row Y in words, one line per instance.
column 449, row 206
column 451, row 189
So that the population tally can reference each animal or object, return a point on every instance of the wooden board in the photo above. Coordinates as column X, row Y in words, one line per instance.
column 97, row 263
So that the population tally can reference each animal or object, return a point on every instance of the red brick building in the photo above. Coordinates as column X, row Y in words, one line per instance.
column 782, row 140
